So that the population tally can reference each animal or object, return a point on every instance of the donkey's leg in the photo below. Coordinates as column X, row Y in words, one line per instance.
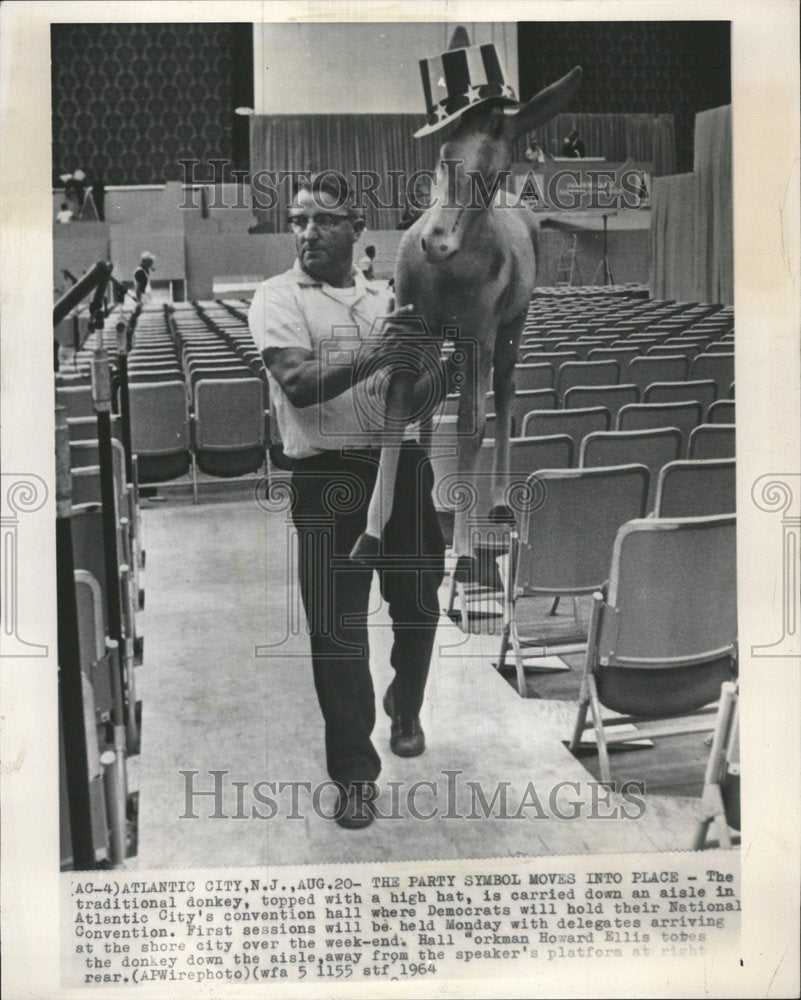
column 398, row 402
column 470, row 425
column 506, row 344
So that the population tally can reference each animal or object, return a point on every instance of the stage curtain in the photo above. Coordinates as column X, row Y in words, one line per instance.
column 672, row 271
column 714, row 254
column 386, row 142
column 346, row 143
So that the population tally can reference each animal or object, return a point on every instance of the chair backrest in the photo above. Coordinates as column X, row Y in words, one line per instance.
column 554, row 358
column 674, row 349
column 568, row 534
column 718, row 367
column 534, row 376
column 721, row 412
column 712, row 441
column 646, row 370
column 584, row 373
column 575, row 423
column 229, row 413
column 611, row 397
column 77, row 400
column 645, row 416
column 156, row 375
column 528, row 400
column 651, row 448
column 705, row 392
column 159, row 418
column 697, row 488
column 623, row 355
column 579, row 347
column 526, row 456
column 672, row 588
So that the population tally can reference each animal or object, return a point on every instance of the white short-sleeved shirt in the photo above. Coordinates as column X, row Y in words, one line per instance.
column 295, row 310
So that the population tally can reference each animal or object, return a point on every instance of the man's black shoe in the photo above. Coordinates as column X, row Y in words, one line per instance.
column 407, row 738
column 355, row 809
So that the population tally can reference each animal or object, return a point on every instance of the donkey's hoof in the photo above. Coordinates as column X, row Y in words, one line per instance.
column 366, row 550
column 502, row 514
column 466, row 569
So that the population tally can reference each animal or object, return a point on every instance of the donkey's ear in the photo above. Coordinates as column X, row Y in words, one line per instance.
column 547, row 103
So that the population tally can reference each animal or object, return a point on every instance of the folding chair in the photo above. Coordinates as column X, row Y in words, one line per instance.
column 76, row 399
column 526, row 457
column 624, row 355
column 663, row 632
column 704, row 392
column 672, row 349
column 564, row 546
column 534, row 376
column 644, row 371
column 575, row 423
column 651, row 448
column 229, row 428
column 718, row 367
column 554, row 358
column 585, row 373
column 610, row 397
column 698, row 488
column 720, row 799
column 526, row 401
column 721, row 412
column 712, row 441
column 579, row 347
column 160, row 434
column 646, row 416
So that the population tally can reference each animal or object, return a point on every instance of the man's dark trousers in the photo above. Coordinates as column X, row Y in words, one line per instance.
column 332, row 493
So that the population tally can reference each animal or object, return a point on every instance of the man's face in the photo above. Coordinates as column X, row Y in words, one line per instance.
column 324, row 234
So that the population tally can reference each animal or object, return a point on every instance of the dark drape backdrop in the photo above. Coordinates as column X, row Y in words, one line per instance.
column 692, row 257
column 384, row 143
column 714, row 244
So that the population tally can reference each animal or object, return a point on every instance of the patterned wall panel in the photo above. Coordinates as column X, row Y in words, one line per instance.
column 131, row 100
column 634, row 66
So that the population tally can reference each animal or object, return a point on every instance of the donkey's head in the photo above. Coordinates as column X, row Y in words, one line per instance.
column 473, row 159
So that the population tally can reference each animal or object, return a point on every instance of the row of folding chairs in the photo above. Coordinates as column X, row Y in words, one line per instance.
column 662, row 634
column 107, row 584
column 677, row 486
column 586, row 312
column 563, row 370
column 226, row 436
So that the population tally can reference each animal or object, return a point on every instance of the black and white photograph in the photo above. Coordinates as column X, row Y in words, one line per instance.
column 402, row 480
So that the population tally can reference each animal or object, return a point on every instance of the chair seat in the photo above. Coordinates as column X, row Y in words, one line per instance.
column 662, row 692
column 230, row 463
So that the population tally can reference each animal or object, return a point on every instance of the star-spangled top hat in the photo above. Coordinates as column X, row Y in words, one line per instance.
column 461, row 78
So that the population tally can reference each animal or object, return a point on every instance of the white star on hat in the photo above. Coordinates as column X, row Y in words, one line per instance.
column 507, row 92
column 473, row 94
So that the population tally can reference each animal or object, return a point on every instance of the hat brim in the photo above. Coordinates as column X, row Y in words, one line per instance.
column 510, row 107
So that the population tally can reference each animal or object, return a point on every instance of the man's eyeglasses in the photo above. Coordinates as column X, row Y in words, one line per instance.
column 324, row 221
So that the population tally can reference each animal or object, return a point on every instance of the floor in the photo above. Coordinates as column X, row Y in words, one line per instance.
column 226, row 687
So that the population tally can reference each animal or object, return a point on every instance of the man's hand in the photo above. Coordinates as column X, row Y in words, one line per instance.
column 404, row 338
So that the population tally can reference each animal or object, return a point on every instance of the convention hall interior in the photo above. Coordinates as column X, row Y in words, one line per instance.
column 589, row 658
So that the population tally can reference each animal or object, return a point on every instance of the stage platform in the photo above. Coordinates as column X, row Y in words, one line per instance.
column 219, row 584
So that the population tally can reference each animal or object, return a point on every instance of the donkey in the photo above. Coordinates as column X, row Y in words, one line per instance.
column 467, row 266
